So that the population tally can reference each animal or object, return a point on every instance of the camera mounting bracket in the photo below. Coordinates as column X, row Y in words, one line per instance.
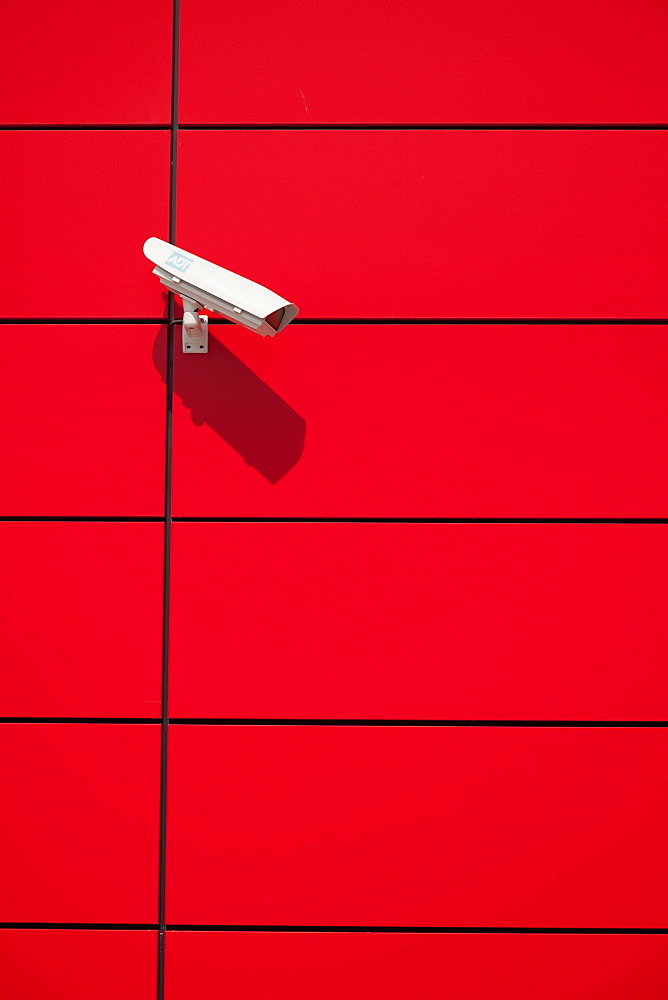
column 195, row 329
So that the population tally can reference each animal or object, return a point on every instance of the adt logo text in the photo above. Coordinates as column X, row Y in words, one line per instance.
column 179, row 262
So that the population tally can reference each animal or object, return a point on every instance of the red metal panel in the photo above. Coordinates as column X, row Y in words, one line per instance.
column 420, row 621
column 83, row 619
column 71, row 63
column 309, row 61
column 79, row 206
column 77, row 964
column 79, row 837
column 434, row 223
column 417, row 826
column 243, row 966
column 429, row 421
column 82, row 421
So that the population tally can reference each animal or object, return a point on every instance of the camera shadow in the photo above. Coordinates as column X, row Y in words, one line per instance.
column 221, row 391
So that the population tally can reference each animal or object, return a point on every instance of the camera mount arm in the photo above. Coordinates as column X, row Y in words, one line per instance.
column 195, row 329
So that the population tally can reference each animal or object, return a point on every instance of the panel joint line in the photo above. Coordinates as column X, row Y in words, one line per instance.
column 164, row 719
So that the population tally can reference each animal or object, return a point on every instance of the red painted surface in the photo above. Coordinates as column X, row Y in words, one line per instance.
column 79, row 835
column 70, row 63
column 83, row 619
column 288, row 966
column 434, row 223
column 417, row 826
column 79, row 206
column 507, row 826
column 419, row 621
column 426, row 421
column 83, row 421
column 309, row 61
column 77, row 964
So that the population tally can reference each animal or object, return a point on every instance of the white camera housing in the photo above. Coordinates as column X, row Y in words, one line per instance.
column 203, row 285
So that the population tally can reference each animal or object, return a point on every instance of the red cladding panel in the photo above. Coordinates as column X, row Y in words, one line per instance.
column 83, row 619
column 287, row 966
column 79, row 837
column 423, row 421
column 417, row 826
column 435, row 223
column 72, row 62
column 82, row 421
column 420, row 621
column 309, row 61
column 77, row 964
column 79, row 206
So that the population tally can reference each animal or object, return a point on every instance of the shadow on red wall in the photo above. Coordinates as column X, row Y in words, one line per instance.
column 244, row 411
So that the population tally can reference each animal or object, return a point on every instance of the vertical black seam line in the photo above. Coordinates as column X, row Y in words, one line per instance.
column 164, row 719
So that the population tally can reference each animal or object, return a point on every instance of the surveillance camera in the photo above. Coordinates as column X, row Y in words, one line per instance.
column 203, row 285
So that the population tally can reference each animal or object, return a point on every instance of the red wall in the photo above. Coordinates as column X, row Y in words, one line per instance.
column 362, row 628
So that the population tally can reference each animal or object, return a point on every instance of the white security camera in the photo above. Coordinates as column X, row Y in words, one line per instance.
column 203, row 285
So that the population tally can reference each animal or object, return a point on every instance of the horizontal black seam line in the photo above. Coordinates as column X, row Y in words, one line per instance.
column 86, row 128
column 461, row 321
column 431, row 127
column 349, row 127
column 78, row 720
column 354, row 928
column 101, row 519
column 341, row 321
column 420, row 520
column 79, row 321
column 82, row 518
column 424, row 723
column 325, row 929
column 355, row 722
column 68, row 925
